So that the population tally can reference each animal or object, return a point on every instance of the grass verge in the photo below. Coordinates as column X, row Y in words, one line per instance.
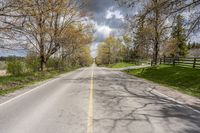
column 10, row 84
column 186, row 80
column 120, row 65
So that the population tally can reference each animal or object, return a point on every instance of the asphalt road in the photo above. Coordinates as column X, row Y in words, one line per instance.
column 96, row 100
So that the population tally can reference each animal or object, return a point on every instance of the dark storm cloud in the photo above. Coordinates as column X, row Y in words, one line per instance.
column 99, row 6
column 104, row 24
column 99, row 9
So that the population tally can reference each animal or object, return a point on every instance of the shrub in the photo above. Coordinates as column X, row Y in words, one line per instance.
column 15, row 67
column 52, row 64
column 2, row 65
column 33, row 63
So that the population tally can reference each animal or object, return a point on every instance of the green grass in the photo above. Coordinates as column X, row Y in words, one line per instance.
column 184, row 79
column 10, row 84
column 120, row 65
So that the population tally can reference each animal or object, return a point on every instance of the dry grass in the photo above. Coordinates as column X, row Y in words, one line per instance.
column 3, row 73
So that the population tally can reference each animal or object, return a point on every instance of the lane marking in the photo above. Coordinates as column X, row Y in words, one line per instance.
column 90, row 108
column 174, row 100
column 166, row 96
column 36, row 88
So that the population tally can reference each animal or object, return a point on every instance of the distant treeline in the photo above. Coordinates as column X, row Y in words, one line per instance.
column 193, row 45
column 11, row 58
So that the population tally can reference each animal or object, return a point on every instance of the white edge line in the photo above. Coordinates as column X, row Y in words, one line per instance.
column 43, row 84
column 170, row 98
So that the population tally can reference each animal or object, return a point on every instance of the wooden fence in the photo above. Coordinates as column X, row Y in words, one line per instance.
column 188, row 62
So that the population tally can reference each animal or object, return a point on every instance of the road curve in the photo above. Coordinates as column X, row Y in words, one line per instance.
column 96, row 100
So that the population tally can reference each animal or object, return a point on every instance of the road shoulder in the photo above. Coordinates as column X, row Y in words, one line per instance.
column 171, row 93
column 30, row 87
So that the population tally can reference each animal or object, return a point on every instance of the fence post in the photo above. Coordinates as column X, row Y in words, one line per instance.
column 174, row 61
column 164, row 60
column 194, row 63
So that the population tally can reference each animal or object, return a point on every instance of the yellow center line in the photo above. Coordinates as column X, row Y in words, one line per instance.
column 90, row 109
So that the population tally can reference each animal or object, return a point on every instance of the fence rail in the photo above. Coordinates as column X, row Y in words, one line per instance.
column 190, row 62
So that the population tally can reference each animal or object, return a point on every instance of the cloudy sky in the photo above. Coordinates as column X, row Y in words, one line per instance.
column 4, row 52
column 108, row 19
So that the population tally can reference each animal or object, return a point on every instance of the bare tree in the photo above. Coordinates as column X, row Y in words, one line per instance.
column 154, row 14
column 40, row 23
column 160, row 14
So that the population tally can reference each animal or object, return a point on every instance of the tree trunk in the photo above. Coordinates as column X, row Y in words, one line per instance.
column 156, row 50
column 42, row 62
column 42, row 56
column 157, row 36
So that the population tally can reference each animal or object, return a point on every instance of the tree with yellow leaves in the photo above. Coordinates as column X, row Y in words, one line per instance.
column 41, row 23
column 110, row 51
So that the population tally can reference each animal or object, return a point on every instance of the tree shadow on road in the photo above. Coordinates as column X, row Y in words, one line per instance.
column 125, row 103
